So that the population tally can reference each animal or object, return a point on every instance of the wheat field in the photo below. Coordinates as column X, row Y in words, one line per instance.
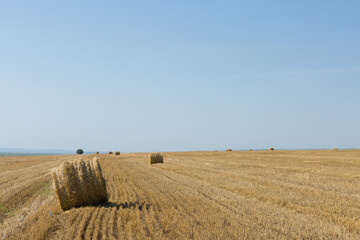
column 192, row 195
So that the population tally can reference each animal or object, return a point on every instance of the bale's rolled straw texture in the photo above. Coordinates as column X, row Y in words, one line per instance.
column 155, row 158
column 102, row 195
column 79, row 183
column 117, row 153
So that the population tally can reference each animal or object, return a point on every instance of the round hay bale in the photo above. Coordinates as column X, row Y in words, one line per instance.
column 229, row 150
column 110, row 152
column 79, row 183
column 117, row 153
column 250, row 150
column 97, row 153
column 155, row 158
column 271, row 149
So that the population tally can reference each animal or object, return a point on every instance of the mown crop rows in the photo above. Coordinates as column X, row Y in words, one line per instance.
column 193, row 195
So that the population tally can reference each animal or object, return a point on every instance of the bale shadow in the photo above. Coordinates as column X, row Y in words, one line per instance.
column 126, row 205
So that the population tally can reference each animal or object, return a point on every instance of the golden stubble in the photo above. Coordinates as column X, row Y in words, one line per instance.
column 208, row 195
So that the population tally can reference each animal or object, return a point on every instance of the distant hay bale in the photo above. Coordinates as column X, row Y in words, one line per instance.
column 250, row 150
column 79, row 183
column 110, row 152
column 271, row 149
column 97, row 152
column 155, row 158
column 229, row 150
column 336, row 149
column 117, row 153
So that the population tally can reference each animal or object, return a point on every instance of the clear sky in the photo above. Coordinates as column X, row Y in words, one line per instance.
column 179, row 75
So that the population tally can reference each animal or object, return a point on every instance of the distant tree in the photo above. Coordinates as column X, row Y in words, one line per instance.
column 79, row 151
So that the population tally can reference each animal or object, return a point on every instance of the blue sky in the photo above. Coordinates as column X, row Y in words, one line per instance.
column 179, row 75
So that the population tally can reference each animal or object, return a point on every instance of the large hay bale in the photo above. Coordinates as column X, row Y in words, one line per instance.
column 117, row 153
column 110, row 152
column 250, row 150
column 229, row 150
column 271, row 149
column 79, row 183
column 97, row 152
column 155, row 158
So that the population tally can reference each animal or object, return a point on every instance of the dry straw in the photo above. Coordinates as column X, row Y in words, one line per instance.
column 117, row 153
column 229, row 150
column 155, row 158
column 79, row 183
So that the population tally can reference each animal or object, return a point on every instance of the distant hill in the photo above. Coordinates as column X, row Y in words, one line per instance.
column 33, row 152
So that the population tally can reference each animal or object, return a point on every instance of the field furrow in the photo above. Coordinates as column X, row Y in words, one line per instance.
column 72, row 220
column 83, row 224
column 89, row 234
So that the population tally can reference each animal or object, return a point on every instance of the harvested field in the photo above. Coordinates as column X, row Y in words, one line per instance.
column 192, row 195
